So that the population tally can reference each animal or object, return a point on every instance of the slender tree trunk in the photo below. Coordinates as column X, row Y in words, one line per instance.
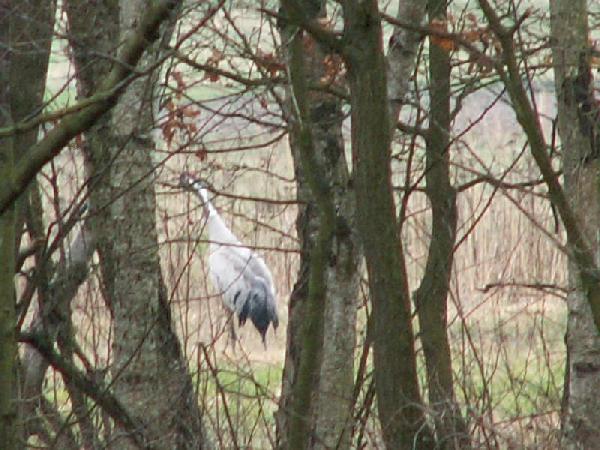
column 402, row 54
column 8, row 344
column 580, row 251
column 32, row 32
column 330, row 412
column 579, row 128
column 398, row 398
column 26, row 31
column 149, row 368
column 431, row 297
column 53, row 319
column 577, row 203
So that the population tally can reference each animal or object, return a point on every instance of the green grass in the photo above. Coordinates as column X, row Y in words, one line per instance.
column 243, row 402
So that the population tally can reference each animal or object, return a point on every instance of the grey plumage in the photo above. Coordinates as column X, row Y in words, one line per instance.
column 242, row 277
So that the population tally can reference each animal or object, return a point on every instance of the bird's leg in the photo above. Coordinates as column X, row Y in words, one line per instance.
column 232, row 333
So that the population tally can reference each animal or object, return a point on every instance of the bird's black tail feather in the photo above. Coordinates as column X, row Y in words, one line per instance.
column 258, row 308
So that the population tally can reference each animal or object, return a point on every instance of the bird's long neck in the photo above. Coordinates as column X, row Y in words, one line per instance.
column 217, row 229
column 202, row 193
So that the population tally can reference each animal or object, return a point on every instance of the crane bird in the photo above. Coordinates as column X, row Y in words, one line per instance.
column 241, row 276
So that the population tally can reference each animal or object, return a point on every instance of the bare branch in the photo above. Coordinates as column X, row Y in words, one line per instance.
column 109, row 91
column 99, row 393
column 579, row 248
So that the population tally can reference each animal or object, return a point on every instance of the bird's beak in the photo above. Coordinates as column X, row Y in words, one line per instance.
column 172, row 184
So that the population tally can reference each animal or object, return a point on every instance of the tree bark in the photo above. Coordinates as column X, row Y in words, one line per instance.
column 80, row 118
column 398, row 397
column 305, row 385
column 149, row 369
column 432, row 294
column 31, row 32
column 329, row 415
column 8, row 345
column 26, row 36
column 579, row 130
column 402, row 54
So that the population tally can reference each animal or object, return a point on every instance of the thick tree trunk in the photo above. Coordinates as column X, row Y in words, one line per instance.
column 579, row 128
column 398, row 397
column 330, row 420
column 149, row 369
column 330, row 412
column 431, row 297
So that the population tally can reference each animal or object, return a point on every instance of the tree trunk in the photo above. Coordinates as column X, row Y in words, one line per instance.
column 431, row 297
column 86, row 113
column 331, row 400
column 579, row 130
column 26, row 32
column 32, row 33
column 398, row 398
column 149, row 369
column 8, row 344
column 402, row 54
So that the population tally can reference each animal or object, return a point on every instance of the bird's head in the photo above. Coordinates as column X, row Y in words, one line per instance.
column 191, row 183
column 187, row 180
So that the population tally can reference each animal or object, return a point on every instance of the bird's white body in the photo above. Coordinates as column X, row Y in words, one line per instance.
column 240, row 275
column 233, row 267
